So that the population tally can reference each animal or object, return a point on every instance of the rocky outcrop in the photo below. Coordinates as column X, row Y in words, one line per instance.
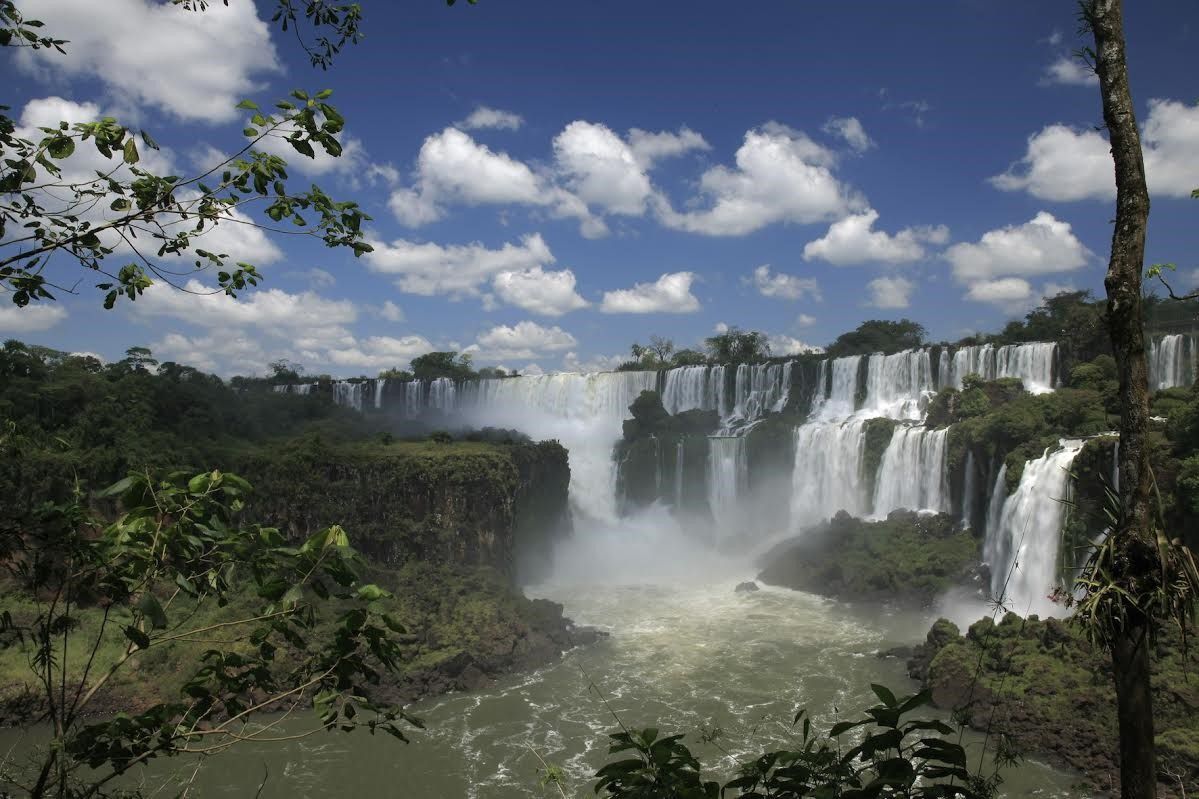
column 909, row 557
column 1043, row 686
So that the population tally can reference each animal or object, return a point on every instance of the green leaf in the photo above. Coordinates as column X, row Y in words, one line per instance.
column 61, row 147
column 150, row 607
column 119, row 487
column 247, row 105
column 884, row 694
column 130, row 152
column 249, row 133
column 139, row 638
column 371, row 593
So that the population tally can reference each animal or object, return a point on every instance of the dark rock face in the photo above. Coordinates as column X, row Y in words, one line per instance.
column 747, row 587
column 473, row 504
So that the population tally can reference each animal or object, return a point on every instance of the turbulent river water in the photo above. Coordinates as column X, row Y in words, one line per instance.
column 686, row 652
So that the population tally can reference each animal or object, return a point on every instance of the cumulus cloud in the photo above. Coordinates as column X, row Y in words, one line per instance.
column 782, row 286
column 1063, row 163
column 273, row 311
column 853, row 240
column 786, row 345
column 780, row 175
column 805, row 320
column 890, row 292
column 1009, row 293
column 454, row 168
column 1040, row 246
column 534, row 289
column 1069, row 71
column 522, row 340
column 380, row 352
column 483, row 118
column 649, row 148
column 601, row 169
column 850, row 129
column 391, row 312
column 457, row 269
column 571, row 362
column 30, row 319
column 670, row 293
column 196, row 66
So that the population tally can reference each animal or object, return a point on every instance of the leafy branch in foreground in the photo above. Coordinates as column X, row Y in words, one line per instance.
column 282, row 628
column 50, row 207
column 894, row 758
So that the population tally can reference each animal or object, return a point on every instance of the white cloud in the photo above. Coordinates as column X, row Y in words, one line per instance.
column 890, row 292
column 786, row 345
column 1062, row 163
column 391, row 312
column 1009, row 293
column 571, row 362
column 522, row 340
column 531, row 370
column 459, row 269
column 782, row 286
column 1039, row 246
column 223, row 353
column 539, row 291
column 483, row 118
column 381, row 352
column 454, row 168
column 30, row 319
column 273, row 311
column 1069, row 71
column 850, row 129
column 805, row 320
column 853, row 241
column 721, row 327
column 196, row 66
column 317, row 278
column 649, row 148
column 670, row 293
column 781, row 175
column 600, row 168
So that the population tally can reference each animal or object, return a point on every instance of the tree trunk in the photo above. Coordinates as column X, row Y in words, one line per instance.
column 1135, row 556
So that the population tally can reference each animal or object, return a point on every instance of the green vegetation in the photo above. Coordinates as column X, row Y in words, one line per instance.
column 909, row 557
column 1041, row 684
column 878, row 335
column 877, row 434
column 892, row 756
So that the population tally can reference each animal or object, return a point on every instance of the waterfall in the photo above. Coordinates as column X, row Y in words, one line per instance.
column 828, row 471
column 348, row 395
column 443, row 394
column 968, row 491
column 898, row 386
column 1032, row 363
column 912, row 472
column 728, row 474
column 841, row 399
column 993, row 550
column 1171, row 362
column 303, row 389
column 1026, row 540
column 583, row 411
column 380, row 386
column 678, row 474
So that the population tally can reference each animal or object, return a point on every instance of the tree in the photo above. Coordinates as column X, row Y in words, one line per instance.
column 879, row 335
column 395, row 374
column 1136, row 575
column 662, row 348
column 158, row 577
column 139, row 359
column 284, row 371
column 688, row 358
column 52, row 211
column 737, row 346
column 433, row 365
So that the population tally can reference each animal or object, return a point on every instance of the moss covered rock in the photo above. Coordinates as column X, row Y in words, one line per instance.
column 909, row 557
column 1041, row 684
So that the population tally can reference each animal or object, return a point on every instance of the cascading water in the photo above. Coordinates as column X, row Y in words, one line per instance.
column 1032, row 363
column 348, row 395
column 968, row 491
column 898, row 386
column 828, row 471
column 380, row 388
column 728, row 475
column 912, row 472
column 302, row 389
column 583, row 411
column 1172, row 361
column 1023, row 547
column 690, row 388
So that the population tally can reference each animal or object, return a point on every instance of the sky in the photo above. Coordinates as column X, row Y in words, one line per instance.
column 550, row 182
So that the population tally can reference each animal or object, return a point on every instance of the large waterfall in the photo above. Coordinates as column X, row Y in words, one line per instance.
column 1172, row 361
column 1024, row 536
column 842, row 460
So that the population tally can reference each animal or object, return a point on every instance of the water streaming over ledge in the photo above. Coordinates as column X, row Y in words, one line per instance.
column 1173, row 361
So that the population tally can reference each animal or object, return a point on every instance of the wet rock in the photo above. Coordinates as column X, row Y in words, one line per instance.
column 585, row 636
column 746, row 587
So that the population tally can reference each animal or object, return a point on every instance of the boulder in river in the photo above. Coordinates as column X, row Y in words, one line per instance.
column 746, row 587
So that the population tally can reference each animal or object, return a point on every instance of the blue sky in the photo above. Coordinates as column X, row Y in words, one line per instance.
column 552, row 181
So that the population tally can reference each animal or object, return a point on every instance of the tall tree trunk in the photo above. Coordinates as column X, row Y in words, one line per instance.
column 1135, row 556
